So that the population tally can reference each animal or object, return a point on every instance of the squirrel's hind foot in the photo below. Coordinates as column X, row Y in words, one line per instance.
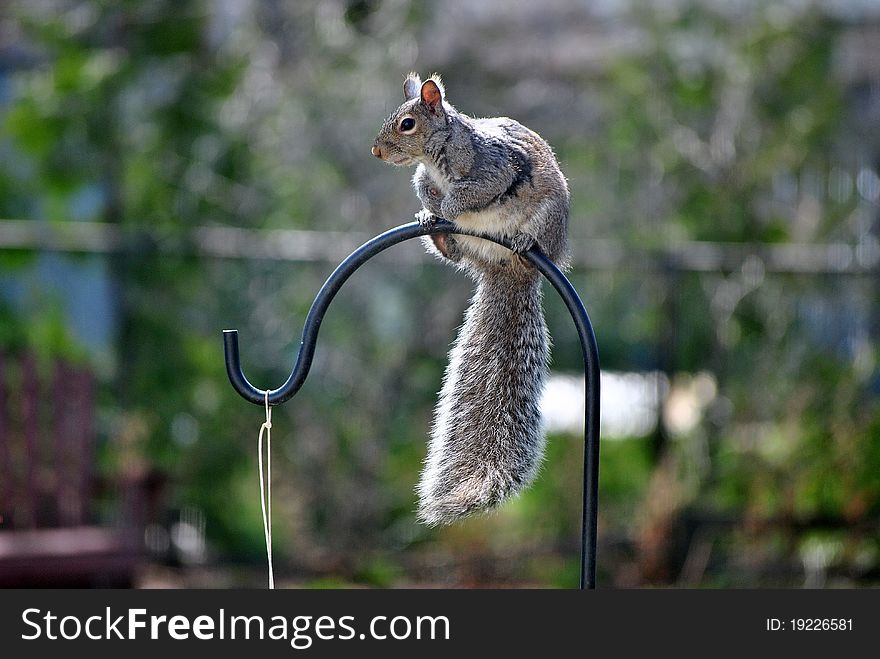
column 522, row 243
column 446, row 245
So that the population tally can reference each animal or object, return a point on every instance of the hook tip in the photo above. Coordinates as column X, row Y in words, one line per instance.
column 230, row 348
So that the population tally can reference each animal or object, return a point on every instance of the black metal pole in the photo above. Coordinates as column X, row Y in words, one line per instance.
column 559, row 281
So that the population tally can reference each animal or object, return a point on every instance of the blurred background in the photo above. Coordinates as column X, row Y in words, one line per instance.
column 170, row 169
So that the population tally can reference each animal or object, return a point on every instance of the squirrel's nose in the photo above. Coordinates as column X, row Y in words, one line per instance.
column 376, row 151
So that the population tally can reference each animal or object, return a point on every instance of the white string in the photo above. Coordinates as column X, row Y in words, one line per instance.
column 266, row 487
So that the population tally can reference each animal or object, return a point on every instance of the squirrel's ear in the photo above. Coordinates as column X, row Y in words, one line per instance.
column 432, row 93
column 411, row 86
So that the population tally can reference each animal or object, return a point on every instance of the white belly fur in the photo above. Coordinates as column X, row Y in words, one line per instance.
column 496, row 221
column 493, row 221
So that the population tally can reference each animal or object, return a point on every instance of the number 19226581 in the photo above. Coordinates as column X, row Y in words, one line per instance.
column 810, row 625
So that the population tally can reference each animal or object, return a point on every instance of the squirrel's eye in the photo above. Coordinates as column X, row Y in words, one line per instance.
column 407, row 125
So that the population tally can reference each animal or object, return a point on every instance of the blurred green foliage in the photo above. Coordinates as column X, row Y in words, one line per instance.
column 710, row 124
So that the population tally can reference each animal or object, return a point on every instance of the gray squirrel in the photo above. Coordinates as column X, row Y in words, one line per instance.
column 494, row 177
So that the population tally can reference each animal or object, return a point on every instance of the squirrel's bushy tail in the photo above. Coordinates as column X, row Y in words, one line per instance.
column 487, row 440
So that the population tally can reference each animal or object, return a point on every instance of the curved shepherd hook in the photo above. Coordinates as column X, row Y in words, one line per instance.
column 413, row 230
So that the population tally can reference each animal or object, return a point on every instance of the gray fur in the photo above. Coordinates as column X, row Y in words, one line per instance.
column 487, row 439
column 496, row 177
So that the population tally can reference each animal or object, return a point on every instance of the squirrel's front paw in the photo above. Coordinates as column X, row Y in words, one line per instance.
column 522, row 243
column 426, row 218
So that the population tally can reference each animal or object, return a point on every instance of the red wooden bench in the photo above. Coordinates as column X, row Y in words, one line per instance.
column 50, row 532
